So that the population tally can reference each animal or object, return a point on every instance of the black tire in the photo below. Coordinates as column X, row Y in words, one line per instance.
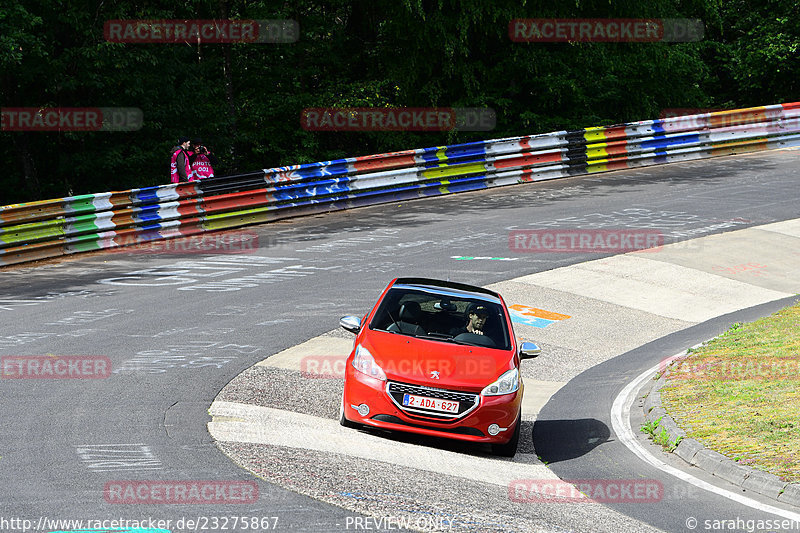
column 509, row 449
column 342, row 419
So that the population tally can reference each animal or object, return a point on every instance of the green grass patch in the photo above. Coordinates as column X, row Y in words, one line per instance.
column 650, row 427
column 739, row 393
column 660, row 437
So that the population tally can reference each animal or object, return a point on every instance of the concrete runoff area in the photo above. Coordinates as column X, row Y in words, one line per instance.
column 614, row 304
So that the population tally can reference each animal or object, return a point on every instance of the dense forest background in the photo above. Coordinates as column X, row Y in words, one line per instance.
column 245, row 100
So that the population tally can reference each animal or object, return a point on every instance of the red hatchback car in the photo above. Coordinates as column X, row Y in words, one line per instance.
column 437, row 358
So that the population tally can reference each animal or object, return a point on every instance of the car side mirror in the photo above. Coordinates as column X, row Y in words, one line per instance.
column 350, row 323
column 529, row 350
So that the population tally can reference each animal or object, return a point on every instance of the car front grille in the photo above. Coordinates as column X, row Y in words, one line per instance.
column 467, row 401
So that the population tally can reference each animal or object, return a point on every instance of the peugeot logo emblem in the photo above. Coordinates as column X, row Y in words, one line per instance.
column 434, row 374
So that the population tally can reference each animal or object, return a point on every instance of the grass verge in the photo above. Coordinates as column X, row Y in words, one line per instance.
column 739, row 394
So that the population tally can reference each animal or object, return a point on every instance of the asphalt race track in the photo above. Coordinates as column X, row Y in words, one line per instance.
column 178, row 327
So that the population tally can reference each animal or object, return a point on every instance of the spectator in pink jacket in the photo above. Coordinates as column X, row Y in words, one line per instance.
column 200, row 163
column 179, row 165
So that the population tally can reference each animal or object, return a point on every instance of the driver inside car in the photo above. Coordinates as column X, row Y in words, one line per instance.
column 477, row 314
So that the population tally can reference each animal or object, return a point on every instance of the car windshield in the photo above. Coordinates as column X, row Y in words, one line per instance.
column 443, row 316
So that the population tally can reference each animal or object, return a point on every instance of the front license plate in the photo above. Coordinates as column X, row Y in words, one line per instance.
column 434, row 404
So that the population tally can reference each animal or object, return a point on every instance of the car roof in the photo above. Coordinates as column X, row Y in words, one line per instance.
column 430, row 282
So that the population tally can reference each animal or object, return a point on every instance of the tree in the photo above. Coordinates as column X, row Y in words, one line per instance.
column 246, row 99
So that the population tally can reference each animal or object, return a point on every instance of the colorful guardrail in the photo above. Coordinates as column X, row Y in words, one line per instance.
column 38, row 230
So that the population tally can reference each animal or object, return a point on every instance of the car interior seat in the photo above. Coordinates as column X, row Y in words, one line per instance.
column 408, row 320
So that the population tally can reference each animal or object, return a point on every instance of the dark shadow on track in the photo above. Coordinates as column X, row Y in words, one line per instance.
column 562, row 440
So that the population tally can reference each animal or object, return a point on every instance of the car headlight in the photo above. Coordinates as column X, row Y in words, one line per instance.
column 505, row 384
column 365, row 363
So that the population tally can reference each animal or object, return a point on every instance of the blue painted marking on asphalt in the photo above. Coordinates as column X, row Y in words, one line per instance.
column 529, row 320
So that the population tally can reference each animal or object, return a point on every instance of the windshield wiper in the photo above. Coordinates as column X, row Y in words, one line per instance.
column 443, row 337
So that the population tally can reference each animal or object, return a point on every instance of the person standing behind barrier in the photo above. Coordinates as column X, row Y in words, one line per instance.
column 200, row 164
column 179, row 165
column 197, row 141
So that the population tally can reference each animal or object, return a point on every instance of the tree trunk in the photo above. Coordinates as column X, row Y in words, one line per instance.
column 30, row 176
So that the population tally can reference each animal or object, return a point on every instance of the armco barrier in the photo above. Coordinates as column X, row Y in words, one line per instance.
column 50, row 228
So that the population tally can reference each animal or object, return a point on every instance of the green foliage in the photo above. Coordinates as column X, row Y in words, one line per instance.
column 650, row 427
column 660, row 437
column 245, row 100
column 761, row 50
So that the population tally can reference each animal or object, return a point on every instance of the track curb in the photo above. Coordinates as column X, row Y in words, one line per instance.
column 694, row 453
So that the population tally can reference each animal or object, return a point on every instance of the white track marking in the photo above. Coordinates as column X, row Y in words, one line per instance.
column 620, row 421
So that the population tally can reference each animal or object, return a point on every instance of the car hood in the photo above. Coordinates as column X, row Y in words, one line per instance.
column 419, row 361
